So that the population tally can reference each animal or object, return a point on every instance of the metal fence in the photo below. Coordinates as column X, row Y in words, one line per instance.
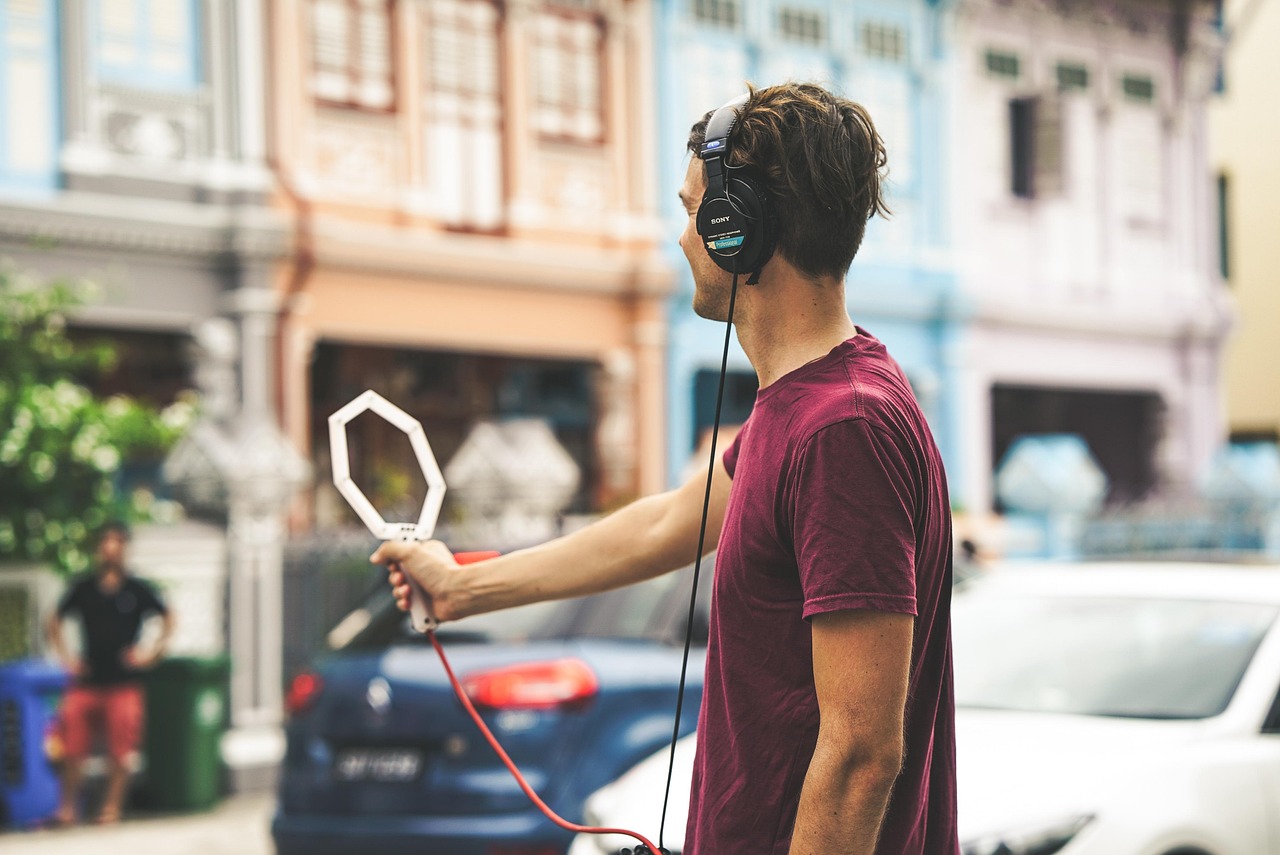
column 326, row 575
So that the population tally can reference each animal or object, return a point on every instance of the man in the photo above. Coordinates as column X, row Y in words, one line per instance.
column 827, row 715
column 105, row 695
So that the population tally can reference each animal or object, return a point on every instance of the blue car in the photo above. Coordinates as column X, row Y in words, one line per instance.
column 382, row 757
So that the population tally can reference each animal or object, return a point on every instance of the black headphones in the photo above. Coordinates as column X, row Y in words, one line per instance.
column 735, row 219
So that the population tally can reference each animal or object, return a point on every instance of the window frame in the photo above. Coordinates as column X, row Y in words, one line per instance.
column 597, row 20
column 431, row 91
column 355, row 9
column 1069, row 67
column 1011, row 75
column 739, row 14
column 800, row 12
column 140, row 74
column 1129, row 80
column 882, row 28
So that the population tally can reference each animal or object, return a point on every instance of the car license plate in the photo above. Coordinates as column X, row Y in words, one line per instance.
column 395, row 765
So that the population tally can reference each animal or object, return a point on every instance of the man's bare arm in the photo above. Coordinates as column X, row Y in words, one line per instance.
column 647, row 538
column 53, row 634
column 861, row 662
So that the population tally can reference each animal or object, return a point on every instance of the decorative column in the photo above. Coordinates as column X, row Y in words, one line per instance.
column 236, row 458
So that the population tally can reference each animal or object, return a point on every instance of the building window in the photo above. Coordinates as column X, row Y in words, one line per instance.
column 802, row 25
column 351, row 53
column 1139, row 88
column 148, row 44
column 883, row 41
column 464, row 112
column 1072, row 77
column 718, row 13
column 1224, row 224
column 29, row 104
column 1002, row 64
column 1035, row 147
column 569, row 80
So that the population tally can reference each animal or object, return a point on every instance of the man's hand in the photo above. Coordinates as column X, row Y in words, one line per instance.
column 431, row 566
column 74, row 667
column 139, row 660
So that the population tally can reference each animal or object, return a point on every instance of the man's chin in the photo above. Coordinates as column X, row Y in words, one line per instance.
column 710, row 311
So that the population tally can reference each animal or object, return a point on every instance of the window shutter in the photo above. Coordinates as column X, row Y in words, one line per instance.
column 1048, row 155
column 118, row 28
column 330, row 49
column 374, row 69
column 568, row 54
column 170, row 32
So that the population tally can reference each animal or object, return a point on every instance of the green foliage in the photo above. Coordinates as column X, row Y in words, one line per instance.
column 60, row 446
column 14, row 641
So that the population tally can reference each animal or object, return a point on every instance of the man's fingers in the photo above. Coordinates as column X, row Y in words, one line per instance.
column 391, row 550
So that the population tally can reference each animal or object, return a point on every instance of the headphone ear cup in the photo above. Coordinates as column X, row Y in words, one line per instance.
column 751, row 202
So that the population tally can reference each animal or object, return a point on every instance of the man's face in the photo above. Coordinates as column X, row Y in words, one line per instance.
column 711, row 283
column 110, row 552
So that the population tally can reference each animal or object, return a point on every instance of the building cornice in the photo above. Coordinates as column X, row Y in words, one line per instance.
column 492, row 260
column 161, row 227
column 1207, row 320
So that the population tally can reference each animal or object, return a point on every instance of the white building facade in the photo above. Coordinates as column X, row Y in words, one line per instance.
column 1086, row 238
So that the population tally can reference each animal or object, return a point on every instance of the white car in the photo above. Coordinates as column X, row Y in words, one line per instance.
column 1102, row 709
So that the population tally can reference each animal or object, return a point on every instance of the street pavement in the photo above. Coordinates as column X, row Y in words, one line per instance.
column 239, row 825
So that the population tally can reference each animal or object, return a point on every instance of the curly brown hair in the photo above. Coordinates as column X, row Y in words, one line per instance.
column 822, row 163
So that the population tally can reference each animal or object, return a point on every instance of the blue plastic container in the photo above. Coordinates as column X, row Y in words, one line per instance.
column 29, row 695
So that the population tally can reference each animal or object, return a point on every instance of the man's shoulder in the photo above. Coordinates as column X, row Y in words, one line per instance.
column 137, row 583
column 146, row 590
column 81, row 581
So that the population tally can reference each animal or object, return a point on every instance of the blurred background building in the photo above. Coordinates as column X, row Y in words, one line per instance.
column 893, row 58
column 1085, row 237
column 471, row 186
column 1245, row 126
column 469, row 206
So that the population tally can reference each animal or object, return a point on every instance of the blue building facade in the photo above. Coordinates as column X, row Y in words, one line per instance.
column 30, row 122
column 888, row 56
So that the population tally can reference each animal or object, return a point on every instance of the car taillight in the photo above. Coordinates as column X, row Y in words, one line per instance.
column 303, row 692
column 533, row 685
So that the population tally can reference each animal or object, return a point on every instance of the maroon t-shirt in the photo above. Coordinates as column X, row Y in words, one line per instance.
column 839, row 501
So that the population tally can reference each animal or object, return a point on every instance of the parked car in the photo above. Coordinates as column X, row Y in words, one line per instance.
column 1117, row 709
column 382, row 757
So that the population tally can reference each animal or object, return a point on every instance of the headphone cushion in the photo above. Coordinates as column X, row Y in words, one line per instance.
column 737, row 228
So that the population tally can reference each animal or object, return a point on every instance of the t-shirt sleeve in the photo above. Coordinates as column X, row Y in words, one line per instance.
column 149, row 600
column 853, row 528
column 70, row 601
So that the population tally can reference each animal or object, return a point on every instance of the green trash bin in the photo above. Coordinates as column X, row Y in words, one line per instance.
column 186, row 717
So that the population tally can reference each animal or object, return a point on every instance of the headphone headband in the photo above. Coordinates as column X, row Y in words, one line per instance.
column 734, row 219
column 716, row 140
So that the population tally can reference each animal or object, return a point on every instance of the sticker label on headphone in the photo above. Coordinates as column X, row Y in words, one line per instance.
column 726, row 243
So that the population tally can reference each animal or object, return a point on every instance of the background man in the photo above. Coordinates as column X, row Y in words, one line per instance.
column 827, row 717
column 106, row 695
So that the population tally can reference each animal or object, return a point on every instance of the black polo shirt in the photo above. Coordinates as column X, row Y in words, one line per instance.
column 109, row 625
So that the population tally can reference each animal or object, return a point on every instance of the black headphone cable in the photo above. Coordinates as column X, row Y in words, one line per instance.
column 697, row 562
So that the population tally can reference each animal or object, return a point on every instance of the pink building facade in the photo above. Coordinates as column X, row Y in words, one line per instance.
column 471, row 187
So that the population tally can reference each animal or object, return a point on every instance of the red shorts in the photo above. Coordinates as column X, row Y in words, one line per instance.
column 116, row 710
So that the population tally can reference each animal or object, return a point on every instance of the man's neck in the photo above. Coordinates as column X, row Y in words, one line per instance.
column 110, row 578
column 790, row 323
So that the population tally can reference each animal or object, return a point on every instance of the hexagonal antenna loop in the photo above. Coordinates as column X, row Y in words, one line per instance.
column 340, row 457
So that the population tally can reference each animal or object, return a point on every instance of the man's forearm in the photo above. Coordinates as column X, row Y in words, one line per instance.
column 843, row 802
column 645, row 539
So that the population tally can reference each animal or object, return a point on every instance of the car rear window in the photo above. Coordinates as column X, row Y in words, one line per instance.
column 641, row 611
column 1139, row 658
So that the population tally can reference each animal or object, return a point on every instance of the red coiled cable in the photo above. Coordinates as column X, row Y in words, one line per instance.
column 469, row 558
